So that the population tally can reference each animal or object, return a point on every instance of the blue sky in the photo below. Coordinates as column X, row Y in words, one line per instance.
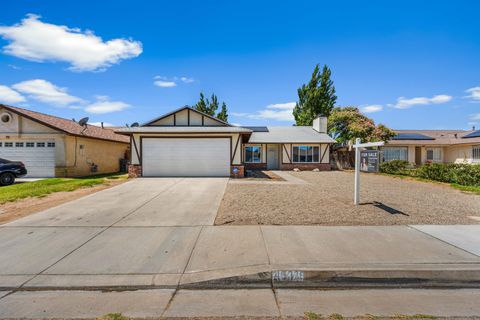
column 409, row 64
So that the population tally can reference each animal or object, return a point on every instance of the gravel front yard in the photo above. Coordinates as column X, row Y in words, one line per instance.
column 327, row 199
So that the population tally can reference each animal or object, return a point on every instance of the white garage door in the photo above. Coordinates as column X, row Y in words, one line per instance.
column 177, row 157
column 38, row 156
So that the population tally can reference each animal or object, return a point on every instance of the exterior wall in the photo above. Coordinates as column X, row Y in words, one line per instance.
column 236, row 150
column 450, row 154
column 81, row 153
column 459, row 154
column 286, row 162
column 168, row 121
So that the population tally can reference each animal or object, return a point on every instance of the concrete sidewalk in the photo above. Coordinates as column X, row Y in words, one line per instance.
column 251, row 303
column 237, row 256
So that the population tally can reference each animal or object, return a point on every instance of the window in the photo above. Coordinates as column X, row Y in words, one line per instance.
column 8, row 144
column 395, row 153
column 476, row 153
column 0, row 144
column 30, row 144
column 253, row 154
column 51, row 144
column 306, row 154
column 434, row 154
column 40, row 144
column 19, row 144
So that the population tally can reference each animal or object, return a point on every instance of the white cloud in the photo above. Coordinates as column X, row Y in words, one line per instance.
column 475, row 117
column 8, row 95
column 404, row 103
column 372, row 108
column 164, row 83
column 473, row 93
column 186, row 80
column 104, row 105
column 278, row 112
column 34, row 40
column 46, row 92
column 99, row 124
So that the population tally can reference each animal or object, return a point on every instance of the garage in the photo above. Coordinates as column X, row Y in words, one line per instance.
column 38, row 156
column 185, row 157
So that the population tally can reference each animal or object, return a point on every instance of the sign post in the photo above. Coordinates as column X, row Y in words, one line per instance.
column 357, row 146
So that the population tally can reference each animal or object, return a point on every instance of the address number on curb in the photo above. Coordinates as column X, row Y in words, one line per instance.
column 288, row 276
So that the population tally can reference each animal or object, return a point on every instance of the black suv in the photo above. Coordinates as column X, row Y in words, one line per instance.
column 9, row 170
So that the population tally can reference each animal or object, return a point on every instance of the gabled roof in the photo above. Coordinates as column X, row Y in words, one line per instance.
column 68, row 126
column 289, row 134
column 183, row 129
column 181, row 109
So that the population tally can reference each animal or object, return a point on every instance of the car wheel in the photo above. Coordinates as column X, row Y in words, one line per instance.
column 6, row 179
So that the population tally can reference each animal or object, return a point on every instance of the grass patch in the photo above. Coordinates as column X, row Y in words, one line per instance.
column 466, row 188
column 44, row 187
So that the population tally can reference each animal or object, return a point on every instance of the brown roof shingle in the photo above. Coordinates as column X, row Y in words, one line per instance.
column 69, row 126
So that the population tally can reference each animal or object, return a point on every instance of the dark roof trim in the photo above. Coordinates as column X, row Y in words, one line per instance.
column 181, row 109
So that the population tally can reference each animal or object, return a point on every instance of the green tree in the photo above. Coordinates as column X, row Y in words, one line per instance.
column 223, row 114
column 347, row 123
column 202, row 104
column 210, row 107
column 315, row 98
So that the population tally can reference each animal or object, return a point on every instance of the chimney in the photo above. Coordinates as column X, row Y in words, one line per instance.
column 320, row 124
column 473, row 128
column 101, row 124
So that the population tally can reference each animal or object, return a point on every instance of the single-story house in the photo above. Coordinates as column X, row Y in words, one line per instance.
column 187, row 142
column 443, row 146
column 50, row 146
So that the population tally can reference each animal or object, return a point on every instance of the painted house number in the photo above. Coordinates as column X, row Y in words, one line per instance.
column 288, row 276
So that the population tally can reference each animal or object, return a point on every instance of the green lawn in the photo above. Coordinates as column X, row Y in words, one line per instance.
column 44, row 187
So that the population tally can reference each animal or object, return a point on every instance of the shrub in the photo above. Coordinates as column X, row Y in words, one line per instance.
column 437, row 171
column 395, row 167
column 463, row 174
column 467, row 174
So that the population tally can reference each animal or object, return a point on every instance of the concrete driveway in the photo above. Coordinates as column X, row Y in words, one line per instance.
column 141, row 202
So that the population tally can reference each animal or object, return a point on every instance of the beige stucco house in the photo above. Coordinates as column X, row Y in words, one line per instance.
column 187, row 142
column 50, row 146
column 444, row 146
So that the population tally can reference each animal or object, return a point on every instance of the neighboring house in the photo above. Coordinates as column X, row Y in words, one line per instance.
column 187, row 142
column 55, row 147
column 444, row 146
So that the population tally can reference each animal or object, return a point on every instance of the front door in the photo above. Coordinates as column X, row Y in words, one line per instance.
column 418, row 156
column 272, row 157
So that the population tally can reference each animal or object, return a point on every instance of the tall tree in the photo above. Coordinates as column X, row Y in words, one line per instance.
column 223, row 114
column 202, row 104
column 315, row 98
column 348, row 123
column 210, row 107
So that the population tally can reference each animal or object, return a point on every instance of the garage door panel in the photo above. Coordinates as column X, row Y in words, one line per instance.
column 186, row 157
column 39, row 161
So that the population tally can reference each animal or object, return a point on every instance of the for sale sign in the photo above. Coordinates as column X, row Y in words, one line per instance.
column 369, row 160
